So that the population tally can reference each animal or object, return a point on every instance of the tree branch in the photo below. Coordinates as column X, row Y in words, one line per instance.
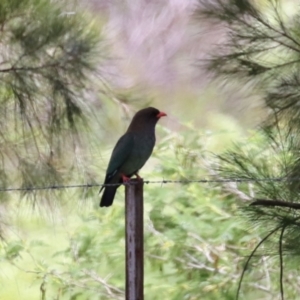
column 273, row 203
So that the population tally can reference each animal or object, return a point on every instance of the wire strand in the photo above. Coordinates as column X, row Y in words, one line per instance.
column 187, row 181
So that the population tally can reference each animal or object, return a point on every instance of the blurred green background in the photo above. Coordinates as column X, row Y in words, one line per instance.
column 61, row 245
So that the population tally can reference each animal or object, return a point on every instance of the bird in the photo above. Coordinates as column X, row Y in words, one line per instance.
column 131, row 152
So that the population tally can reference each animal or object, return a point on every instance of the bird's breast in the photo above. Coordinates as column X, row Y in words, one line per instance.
column 140, row 153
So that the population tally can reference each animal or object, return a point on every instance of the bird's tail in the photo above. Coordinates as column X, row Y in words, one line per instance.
column 108, row 196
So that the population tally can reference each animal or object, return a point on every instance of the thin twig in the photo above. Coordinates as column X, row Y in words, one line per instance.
column 250, row 257
column 281, row 264
column 273, row 203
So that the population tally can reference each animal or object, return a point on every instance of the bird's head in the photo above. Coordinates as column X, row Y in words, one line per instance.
column 146, row 118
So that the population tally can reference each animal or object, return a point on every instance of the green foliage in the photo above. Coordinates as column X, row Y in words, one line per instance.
column 47, row 59
column 263, row 49
column 195, row 239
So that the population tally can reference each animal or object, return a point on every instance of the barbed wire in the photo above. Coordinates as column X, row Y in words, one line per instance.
column 164, row 181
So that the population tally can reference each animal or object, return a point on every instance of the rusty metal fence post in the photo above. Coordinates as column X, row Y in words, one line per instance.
column 134, row 218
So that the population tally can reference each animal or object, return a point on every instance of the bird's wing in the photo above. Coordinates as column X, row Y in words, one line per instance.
column 119, row 155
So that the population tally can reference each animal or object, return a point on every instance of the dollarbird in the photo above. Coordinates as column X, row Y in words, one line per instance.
column 131, row 151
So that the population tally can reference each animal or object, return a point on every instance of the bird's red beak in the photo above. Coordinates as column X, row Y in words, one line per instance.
column 161, row 114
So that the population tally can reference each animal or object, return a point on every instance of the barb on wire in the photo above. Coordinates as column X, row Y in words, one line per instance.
column 90, row 185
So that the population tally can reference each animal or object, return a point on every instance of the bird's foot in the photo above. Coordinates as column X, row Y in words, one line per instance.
column 138, row 177
column 125, row 178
